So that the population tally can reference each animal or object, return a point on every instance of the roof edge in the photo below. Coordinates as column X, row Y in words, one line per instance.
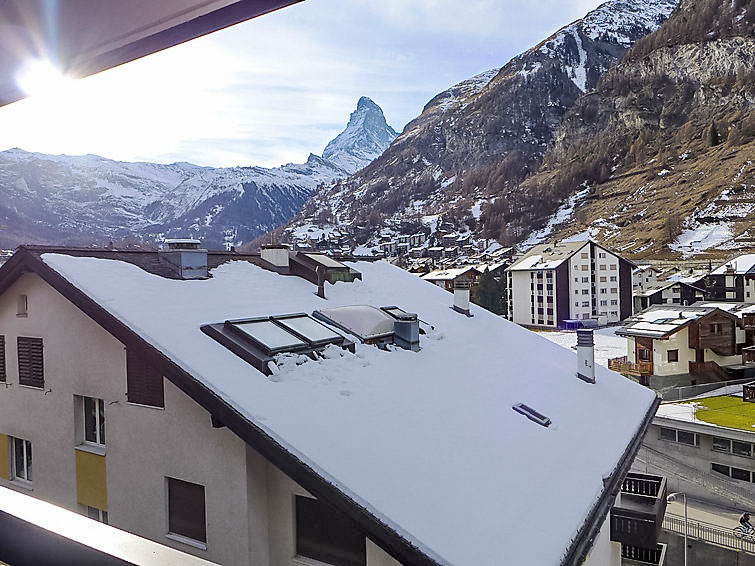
column 400, row 548
column 583, row 542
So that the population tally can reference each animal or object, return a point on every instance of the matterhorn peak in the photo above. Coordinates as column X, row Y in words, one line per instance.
column 366, row 136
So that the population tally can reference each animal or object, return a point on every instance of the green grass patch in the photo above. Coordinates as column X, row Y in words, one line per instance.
column 726, row 411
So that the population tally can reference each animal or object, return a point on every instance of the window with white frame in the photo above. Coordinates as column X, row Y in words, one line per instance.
column 94, row 420
column 22, row 306
column 21, row 460
column 585, row 280
column 613, row 278
column 602, row 255
column 680, row 436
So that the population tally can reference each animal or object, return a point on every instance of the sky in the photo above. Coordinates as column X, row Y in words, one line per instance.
column 273, row 89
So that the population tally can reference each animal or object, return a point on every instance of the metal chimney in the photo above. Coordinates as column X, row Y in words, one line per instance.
column 585, row 356
column 406, row 331
column 184, row 258
column 461, row 295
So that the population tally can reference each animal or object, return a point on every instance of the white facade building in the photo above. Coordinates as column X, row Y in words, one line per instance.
column 554, row 285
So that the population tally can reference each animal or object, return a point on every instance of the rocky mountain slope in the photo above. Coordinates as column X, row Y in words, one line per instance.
column 665, row 145
column 90, row 199
column 480, row 138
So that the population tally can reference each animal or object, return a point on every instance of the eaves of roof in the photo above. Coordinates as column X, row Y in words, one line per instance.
column 25, row 260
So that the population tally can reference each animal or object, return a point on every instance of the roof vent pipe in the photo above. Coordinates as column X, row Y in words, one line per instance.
column 461, row 295
column 585, row 356
column 320, row 281
column 406, row 331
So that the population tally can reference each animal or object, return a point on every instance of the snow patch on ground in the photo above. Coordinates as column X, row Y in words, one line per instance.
column 563, row 214
column 703, row 237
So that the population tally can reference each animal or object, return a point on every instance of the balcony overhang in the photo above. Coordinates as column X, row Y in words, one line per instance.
column 637, row 514
column 84, row 37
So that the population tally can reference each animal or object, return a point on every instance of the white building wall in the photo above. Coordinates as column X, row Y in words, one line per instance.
column 143, row 445
column 603, row 551
column 520, row 297
column 607, row 285
column 580, row 284
column 678, row 341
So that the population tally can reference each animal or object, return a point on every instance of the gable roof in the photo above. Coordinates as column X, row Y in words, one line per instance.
column 738, row 265
column 658, row 287
column 448, row 274
column 547, row 256
column 421, row 449
column 661, row 321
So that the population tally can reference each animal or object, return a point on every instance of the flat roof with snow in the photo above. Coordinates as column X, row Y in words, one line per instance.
column 425, row 442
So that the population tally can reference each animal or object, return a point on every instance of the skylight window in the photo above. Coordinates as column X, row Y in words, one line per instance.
column 270, row 335
column 258, row 340
column 309, row 328
column 367, row 323
column 532, row 414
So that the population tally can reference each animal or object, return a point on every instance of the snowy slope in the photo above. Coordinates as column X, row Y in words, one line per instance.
column 476, row 141
column 90, row 199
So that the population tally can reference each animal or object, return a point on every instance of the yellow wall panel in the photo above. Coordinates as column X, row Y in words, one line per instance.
column 91, row 480
column 4, row 461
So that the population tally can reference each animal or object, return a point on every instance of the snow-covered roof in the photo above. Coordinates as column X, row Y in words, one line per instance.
column 547, row 256
column 739, row 265
column 447, row 274
column 426, row 442
column 659, row 321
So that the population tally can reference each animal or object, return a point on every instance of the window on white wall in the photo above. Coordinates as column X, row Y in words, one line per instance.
column 326, row 535
column 94, row 420
column 22, row 306
column 21, row 468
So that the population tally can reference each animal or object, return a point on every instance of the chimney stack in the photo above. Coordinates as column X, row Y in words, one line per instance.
column 585, row 356
column 406, row 331
column 461, row 295
column 276, row 256
column 184, row 258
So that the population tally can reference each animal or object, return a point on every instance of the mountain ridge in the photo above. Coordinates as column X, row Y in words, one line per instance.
column 80, row 200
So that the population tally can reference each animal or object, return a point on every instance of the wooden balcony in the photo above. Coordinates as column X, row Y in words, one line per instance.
column 623, row 365
column 637, row 515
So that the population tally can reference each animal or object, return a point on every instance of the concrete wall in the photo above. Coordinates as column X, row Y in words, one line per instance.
column 520, row 294
column 700, row 553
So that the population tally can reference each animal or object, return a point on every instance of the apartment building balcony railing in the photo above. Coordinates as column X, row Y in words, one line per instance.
column 637, row 515
column 635, row 556
column 623, row 365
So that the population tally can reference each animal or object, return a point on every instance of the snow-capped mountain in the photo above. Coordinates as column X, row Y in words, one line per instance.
column 366, row 136
column 479, row 138
column 90, row 199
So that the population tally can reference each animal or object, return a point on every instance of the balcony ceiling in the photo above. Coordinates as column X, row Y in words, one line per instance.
column 83, row 37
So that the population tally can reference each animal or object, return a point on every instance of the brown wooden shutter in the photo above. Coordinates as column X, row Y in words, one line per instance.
column 31, row 366
column 144, row 385
column 2, row 359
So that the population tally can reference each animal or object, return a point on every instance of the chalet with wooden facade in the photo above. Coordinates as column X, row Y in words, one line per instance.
column 705, row 338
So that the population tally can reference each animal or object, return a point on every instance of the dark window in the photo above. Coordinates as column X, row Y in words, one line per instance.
column 673, row 355
column 685, row 437
column 186, row 511
column 144, row 385
column 21, row 462
column 739, row 474
column 644, row 354
column 741, row 448
column 716, row 328
column 721, row 444
column 720, row 469
column 327, row 535
column 30, row 362
column 2, row 359
column 668, row 434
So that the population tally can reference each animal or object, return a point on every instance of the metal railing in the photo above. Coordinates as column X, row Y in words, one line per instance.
column 707, row 532
column 635, row 556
